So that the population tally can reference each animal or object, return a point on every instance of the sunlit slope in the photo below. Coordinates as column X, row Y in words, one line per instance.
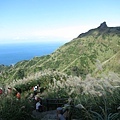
column 81, row 55
column 91, row 52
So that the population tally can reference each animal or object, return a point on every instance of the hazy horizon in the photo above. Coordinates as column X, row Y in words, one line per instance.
column 12, row 53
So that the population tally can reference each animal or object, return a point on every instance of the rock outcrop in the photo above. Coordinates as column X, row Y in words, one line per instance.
column 103, row 25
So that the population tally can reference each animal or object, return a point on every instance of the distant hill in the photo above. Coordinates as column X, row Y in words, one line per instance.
column 95, row 51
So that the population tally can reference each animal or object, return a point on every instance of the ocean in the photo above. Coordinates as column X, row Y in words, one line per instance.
column 12, row 53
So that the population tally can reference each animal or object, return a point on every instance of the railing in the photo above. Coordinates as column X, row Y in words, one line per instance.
column 54, row 103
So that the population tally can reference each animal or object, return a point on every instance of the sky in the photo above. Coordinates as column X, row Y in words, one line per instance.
column 54, row 20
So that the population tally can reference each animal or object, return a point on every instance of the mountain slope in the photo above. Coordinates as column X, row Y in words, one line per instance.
column 91, row 52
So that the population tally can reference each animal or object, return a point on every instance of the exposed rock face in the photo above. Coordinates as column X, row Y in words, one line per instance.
column 103, row 25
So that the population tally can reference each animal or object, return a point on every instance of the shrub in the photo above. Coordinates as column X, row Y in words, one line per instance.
column 12, row 109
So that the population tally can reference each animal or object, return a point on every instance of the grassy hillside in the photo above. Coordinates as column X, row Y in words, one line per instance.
column 93, row 51
column 86, row 69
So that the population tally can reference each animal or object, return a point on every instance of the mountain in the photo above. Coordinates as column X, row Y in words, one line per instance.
column 95, row 51
column 86, row 59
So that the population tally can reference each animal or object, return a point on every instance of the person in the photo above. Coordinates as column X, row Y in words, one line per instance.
column 1, row 91
column 9, row 91
column 30, row 96
column 66, row 113
column 60, row 114
column 39, row 107
column 35, row 88
column 18, row 95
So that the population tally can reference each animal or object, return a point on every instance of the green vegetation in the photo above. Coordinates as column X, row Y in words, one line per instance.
column 100, row 97
column 78, row 57
column 11, row 109
column 86, row 69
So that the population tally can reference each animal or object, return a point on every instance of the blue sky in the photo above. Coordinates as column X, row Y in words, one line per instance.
column 53, row 20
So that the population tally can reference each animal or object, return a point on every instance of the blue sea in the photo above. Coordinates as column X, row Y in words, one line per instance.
column 13, row 53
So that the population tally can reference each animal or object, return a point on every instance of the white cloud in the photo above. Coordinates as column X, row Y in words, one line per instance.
column 63, row 33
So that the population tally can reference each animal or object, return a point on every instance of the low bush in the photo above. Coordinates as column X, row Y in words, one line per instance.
column 12, row 109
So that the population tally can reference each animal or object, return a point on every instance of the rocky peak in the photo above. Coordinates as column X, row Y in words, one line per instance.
column 103, row 25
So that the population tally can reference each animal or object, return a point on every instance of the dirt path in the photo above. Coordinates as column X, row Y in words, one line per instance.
column 48, row 115
column 110, row 58
column 69, row 65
